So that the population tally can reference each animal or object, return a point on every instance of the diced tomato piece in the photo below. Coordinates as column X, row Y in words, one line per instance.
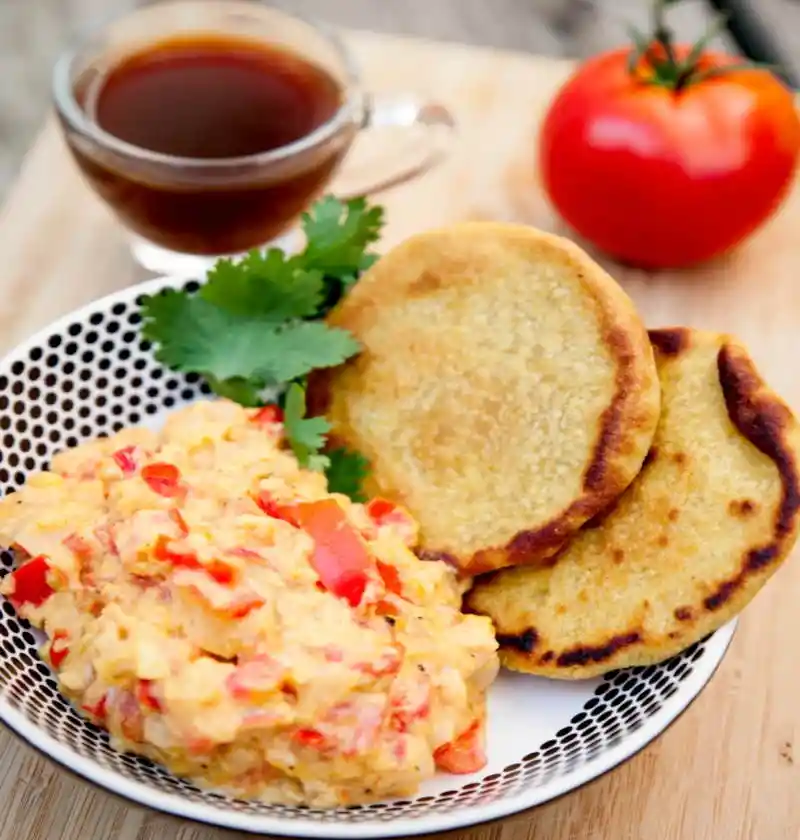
column 378, row 509
column 271, row 413
column 384, row 608
column 79, row 546
column 177, row 517
column 309, row 738
column 385, row 513
column 221, row 572
column 124, row 459
column 30, row 583
column 245, row 605
column 340, row 556
column 465, row 754
column 146, row 696
column 97, row 710
column 183, row 559
column 163, row 478
column 390, row 577
column 273, row 508
column 58, row 650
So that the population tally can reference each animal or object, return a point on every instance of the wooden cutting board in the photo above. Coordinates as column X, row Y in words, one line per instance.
column 726, row 770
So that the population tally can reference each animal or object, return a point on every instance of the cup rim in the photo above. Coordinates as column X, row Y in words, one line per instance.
column 352, row 107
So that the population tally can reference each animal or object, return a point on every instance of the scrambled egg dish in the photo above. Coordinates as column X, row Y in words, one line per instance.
column 217, row 610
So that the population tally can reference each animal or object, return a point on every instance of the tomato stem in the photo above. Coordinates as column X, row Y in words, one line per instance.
column 653, row 59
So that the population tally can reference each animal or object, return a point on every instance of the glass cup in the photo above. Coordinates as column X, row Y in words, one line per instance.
column 183, row 213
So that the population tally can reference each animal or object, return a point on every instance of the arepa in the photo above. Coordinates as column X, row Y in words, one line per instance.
column 505, row 394
column 708, row 521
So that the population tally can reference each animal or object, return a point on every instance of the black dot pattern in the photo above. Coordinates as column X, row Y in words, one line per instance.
column 92, row 376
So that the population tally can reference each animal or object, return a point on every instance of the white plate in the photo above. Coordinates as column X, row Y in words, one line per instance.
column 89, row 374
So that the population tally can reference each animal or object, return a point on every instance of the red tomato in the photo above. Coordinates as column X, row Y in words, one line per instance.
column 268, row 414
column 125, row 460
column 661, row 173
column 162, row 478
column 30, row 583
column 340, row 556
column 390, row 577
column 184, row 559
column 272, row 507
column 463, row 755
column 97, row 710
column 59, row 651
column 221, row 571
column 309, row 738
column 244, row 605
column 146, row 696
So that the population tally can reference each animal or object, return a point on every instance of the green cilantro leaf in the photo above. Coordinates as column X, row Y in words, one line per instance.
column 292, row 351
column 337, row 235
column 195, row 335
column 269, row 285
column 306, row 435
column 257, row 323
column 246, row 392
column 346, row 473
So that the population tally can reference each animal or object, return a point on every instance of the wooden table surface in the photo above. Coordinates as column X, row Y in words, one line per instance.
column 726, row 770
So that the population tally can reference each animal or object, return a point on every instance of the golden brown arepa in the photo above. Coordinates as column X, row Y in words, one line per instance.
column 707, row 522
column 505, row 394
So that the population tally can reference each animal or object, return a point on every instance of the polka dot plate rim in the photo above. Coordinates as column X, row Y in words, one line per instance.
column 89, row 373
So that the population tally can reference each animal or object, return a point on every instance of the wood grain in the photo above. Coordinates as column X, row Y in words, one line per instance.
column 727, row 769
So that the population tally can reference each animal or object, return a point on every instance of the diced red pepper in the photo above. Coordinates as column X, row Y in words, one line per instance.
column 221, row 572
column 183, row 559
column 58, row 650
column 146, row 696
column 390, row 577
column 245, row 605
column 124, row 459
column 340, row 556
column 273, row 508
column 163, row 478
column 271, row 413
column 97, row 710
column 465, row 754
column 30, row 583
column 79, row 546
column 309, row 738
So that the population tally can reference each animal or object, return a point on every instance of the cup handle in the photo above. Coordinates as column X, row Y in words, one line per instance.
column 433, row 127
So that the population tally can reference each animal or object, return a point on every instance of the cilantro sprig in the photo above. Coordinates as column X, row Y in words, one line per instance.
column 256, row 325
